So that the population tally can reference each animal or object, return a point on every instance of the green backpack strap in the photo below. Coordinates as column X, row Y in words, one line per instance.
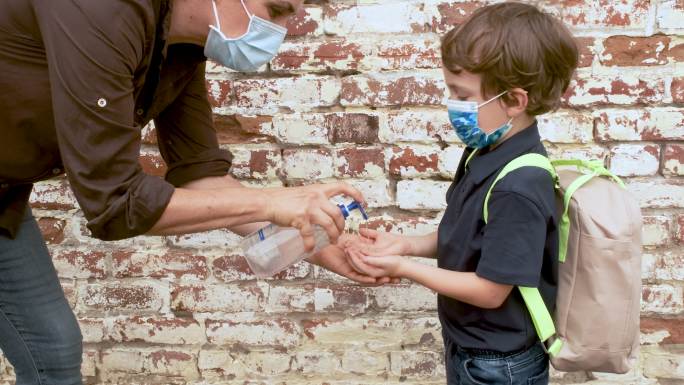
column 595, row 168
column 541, row 318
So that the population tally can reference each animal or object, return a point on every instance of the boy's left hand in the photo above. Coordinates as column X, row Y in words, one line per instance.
column 377, row 266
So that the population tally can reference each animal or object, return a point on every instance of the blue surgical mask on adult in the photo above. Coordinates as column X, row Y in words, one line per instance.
column 248, row 52
column 463, row 116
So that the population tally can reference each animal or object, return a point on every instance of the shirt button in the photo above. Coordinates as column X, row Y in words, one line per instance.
column 139, row 111
column 56, row 171
column 102, row 102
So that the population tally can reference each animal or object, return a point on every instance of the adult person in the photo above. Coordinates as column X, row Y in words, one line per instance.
column 78, row 80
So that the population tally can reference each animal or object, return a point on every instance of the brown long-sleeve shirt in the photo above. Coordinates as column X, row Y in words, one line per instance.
column 78, row 80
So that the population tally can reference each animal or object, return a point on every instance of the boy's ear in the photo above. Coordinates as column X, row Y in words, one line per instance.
column 516, row 102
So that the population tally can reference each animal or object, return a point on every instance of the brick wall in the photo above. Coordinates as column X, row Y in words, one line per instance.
column 355, row 95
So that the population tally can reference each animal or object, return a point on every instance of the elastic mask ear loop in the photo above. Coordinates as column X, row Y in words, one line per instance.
column 218, row 22
column 496, row 97
column 245, row 8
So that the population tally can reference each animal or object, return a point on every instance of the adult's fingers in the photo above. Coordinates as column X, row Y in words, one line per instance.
column 335, row 214
column 307, row 233
column 338, row 188
column 319, row 217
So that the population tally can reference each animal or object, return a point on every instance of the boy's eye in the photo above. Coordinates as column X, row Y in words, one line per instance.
column 462, row 98
column 278, row 10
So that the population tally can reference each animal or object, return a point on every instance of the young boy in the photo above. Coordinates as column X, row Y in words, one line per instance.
column 505, row 65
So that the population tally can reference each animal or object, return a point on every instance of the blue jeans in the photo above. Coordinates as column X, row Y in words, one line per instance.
column 527, row 367
column 39, row 333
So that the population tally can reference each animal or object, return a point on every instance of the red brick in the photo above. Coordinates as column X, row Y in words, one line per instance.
column 78, row 264
column 54, row 194
column 353, row 162
column 52, row 229
column 118, row 296
column 329, row 55
column 149, row 134
column 303, row 23
column 152, row 164
column 673, row 326
column 452, row 14
column 341, row 298
column 603, row 13
column 678, row 90
column 676, row 52
column 405, row 160
column 331, row 52
column 621, row 90
column 352, row 128
column 258, row 164
column 673, row 159
column 177, row 264
column 231, row 129
column 635, row 51
column 390, row 91
column 412, row 54
column 220, row 92
column 291, row 57
column 586, row 51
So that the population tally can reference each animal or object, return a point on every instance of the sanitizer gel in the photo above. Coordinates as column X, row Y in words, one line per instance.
column 273, row 249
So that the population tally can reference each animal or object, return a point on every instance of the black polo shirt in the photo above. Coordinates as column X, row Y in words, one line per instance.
column 518, row 246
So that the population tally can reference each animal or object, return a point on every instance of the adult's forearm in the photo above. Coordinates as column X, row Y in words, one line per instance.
column 195, row 210
column 219, row 182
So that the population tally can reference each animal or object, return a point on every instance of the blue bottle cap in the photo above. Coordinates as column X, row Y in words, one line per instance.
column 346, row 210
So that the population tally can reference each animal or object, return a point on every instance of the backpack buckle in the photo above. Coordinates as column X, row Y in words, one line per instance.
column 552, row 345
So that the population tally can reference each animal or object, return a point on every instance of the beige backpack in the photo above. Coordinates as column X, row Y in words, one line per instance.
column 596, row 322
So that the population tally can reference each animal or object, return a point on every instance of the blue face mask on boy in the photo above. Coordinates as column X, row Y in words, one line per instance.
column 463, row 117
column 248, row 52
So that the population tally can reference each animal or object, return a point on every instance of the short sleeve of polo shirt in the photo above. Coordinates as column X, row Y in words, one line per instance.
column 520, row 211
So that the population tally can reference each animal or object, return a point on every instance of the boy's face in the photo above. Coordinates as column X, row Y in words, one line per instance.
column 466, row 86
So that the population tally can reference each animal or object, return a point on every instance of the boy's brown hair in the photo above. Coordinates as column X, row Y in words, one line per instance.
column 514, row 45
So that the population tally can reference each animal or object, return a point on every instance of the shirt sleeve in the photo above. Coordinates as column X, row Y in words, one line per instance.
column 92, row 57
column 187, row 138
column 515, row 236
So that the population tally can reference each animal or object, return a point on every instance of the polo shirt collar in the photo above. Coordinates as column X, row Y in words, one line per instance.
column 487, row 162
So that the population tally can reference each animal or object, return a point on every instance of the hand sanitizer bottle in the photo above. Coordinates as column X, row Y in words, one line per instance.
column 273, row 249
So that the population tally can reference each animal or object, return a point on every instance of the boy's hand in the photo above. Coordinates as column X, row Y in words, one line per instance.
column 377, row 266
column 333, row 258
column 382, row 243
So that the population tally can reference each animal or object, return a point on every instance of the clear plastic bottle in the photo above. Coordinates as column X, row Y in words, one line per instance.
column 273, row 249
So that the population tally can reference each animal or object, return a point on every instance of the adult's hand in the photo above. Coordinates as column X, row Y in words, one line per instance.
column 306, row 206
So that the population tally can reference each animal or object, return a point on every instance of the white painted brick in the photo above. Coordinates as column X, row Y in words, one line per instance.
column 404, row 16
column 449, row 160
column 301, row 129
column 635, row 159
column 422, row 194
column 566, row 127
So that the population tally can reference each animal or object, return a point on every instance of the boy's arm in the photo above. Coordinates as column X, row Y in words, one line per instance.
column 422, row 246
column 466, row 287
